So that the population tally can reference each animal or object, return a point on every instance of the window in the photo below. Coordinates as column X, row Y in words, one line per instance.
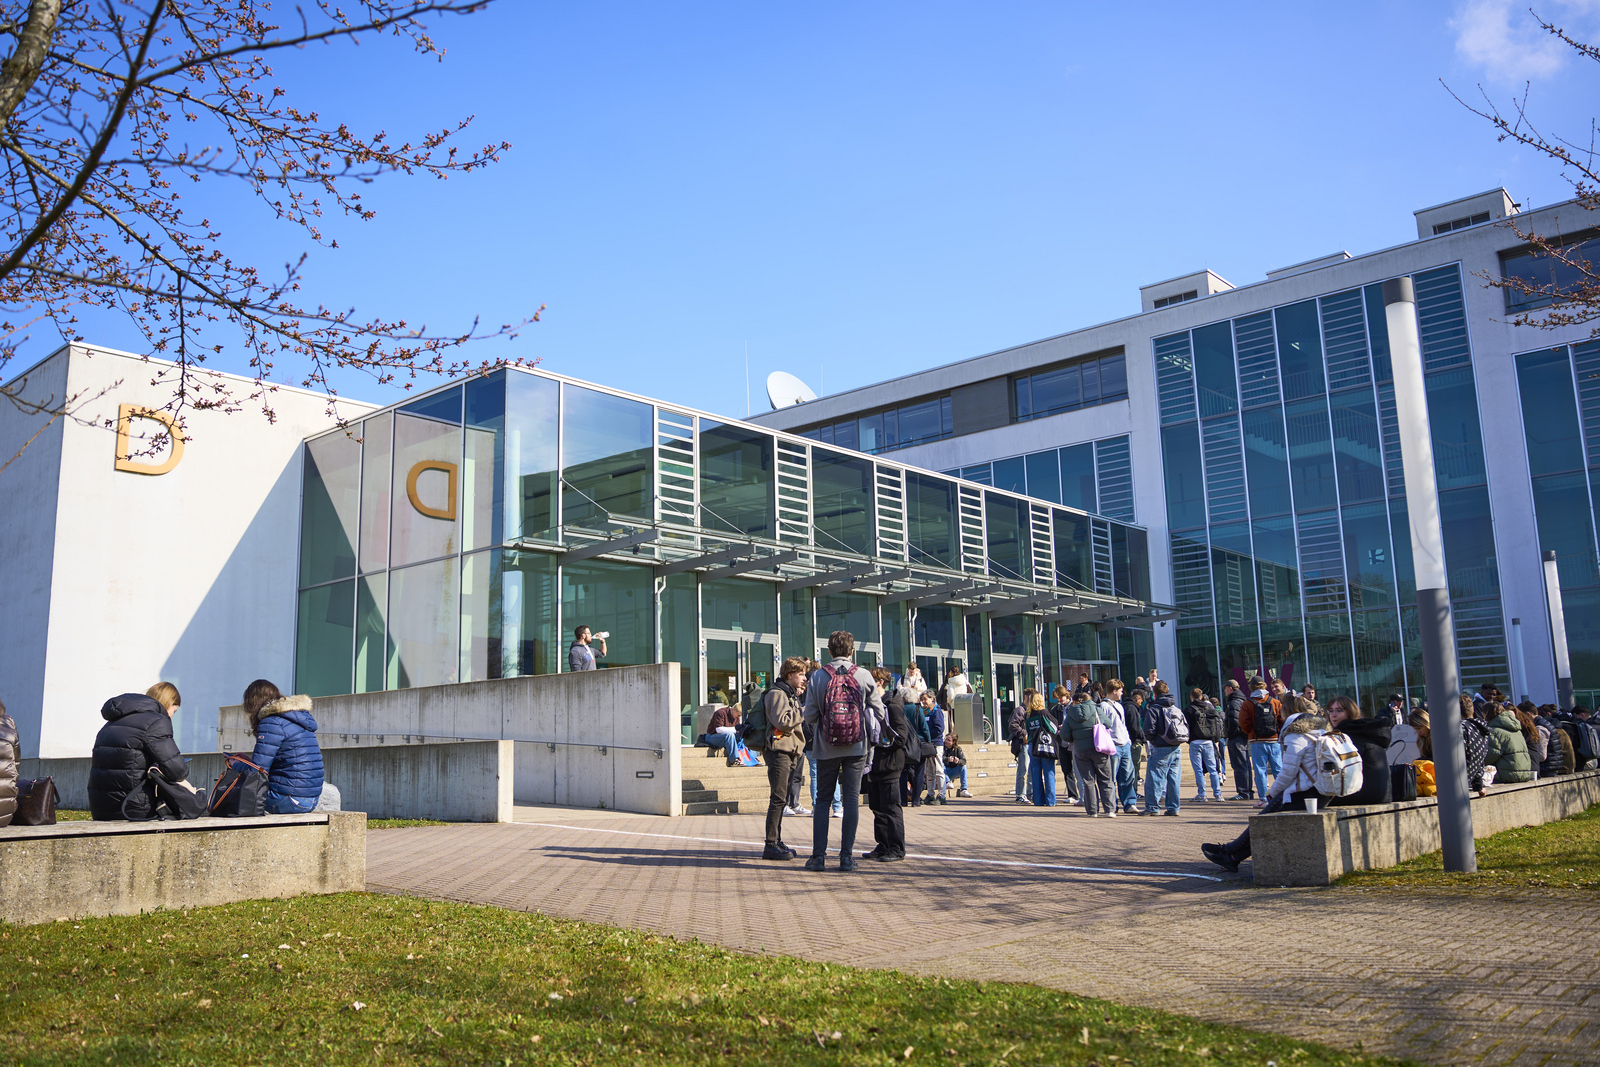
column 886, row 431
column 1085, row 383
column 1192, row 294
column 737, row 480
column 1543, row 278
column 1461, row 223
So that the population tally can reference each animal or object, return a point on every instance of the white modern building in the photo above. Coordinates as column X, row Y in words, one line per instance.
column 1250, row 428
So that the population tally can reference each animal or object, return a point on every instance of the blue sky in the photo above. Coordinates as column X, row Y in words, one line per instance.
column 856, row 191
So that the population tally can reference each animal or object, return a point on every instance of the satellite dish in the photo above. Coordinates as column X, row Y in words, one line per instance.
column 785, row 390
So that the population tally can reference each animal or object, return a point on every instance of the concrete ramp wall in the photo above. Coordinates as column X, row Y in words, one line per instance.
column 595, row 739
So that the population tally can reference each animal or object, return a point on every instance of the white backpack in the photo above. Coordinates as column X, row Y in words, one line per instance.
column 1338, row 765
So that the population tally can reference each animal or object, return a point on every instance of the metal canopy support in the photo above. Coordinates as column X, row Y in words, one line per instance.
column 1099, row 614
column 864, row 583
column 982, row 590
column 617, row 544
column 1139, row 620
column 744, row 566
column 1041, row 602
column 931, row 594
column 826, row 576
column 681, row 565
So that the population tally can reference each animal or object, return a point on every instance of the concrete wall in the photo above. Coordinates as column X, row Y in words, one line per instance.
column 465, row 782
column 76, row 870
column 595, row 739
column 188, row 576
column 1299, row 849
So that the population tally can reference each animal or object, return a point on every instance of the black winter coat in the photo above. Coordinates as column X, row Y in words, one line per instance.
column 1371, row 738
column 137, row 736
column 1230, row 716
column 887, row 763
column 1205, row 721
column 1133, row 716
column 10, row 753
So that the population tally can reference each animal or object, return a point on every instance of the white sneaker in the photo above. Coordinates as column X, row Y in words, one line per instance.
column 791, row 810
column 802, row 811
column 837, row 813
column 1111, row 814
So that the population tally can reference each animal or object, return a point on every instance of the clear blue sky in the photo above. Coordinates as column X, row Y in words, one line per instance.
column 860, row 190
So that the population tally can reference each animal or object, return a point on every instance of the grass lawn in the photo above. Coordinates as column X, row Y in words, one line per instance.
column 384, row 979
column 1557, row 855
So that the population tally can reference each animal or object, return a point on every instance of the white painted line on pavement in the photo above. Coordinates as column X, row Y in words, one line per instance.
column 909, row 855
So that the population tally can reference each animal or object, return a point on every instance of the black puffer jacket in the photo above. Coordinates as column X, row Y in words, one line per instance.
column 1371, row 738
column 137, row 736
column 10, row 753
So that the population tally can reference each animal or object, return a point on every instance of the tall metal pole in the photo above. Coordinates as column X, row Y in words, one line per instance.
column 1519, row 663
column 1436, row 628
column 1558, row 631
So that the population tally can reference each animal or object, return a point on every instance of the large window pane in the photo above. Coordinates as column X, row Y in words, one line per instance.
column 423, row 618
column 1561, row 510
column 1546, row 275
column 799, row 628
column 1277, row 567
column 1550, row 412
column 614, row 597
column 1013, row 635
column 478, row 573
column 931, row 520
column 732, row 604
column 1266, row 457
column 1011, row 475
column 1213, row 370
column 1233, row 574
column 1330, row 663
column 372, row 633
column 607, row 444
column 1057, row 390
column 1186, row 494
column 444, row 406
column 1299, row 350
column 323, row 640
column 330, row 503
column 1453, row 421
column 1113, row 378
column 844, row 434
column 737, row 480
column 1310, row 455
column 1240, row 650
column 841, row 502
column 896, row 639
column 377, row 446
column 1074, row 551
column 680, row 643
column 869, row 432
column 1380, row 664
column 1283, row 655
column 939, row 626
column 1077, row 477
column 855, row 612
column 1369, row 566
column 1044, row 475
column 533, row 422
column 1581, row 609
column 523, row 623
column 1357, row 446
column 1197, row 658
column 1137, row 547
column 427, row 459
column 1006, row 519
column 1468, row 542
column 483, row 470
column 921, row 422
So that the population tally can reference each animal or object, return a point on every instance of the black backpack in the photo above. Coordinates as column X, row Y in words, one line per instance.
column 1266, row 723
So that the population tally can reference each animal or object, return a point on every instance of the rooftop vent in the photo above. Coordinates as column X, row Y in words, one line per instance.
column 1461, row 214
column 1181, row 289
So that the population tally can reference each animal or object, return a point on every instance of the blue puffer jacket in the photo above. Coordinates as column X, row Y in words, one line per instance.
column 287, row 749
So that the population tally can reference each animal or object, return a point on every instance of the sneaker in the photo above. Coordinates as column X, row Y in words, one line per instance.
column 944, row 800
column 847, row 863
column 963, row 793
column 790, row 810
column 1220, row 856
column 891, row 857
column 775, row 852
column 1216, row 799
column 1100, row 815
column 792, row 853
column 838, row 813
column 817, row 863
column 802, row 811
column 1149, row 811
column 1112, row 814
column 1172, row 813
column 1240, row 796
column 1201, row 799
column 875, row 854
column 1130, row 809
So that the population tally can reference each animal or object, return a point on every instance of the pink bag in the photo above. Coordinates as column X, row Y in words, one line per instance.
column 1103, row 742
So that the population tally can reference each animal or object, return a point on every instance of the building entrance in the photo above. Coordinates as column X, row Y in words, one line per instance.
column 739, row 666
column 868, row 653
column 1012, row 674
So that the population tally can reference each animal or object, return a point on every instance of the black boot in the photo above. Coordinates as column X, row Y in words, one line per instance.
column 1220, row 855
column 777, row 852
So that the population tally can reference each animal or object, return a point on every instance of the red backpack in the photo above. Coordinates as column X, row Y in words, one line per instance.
column 842, row 707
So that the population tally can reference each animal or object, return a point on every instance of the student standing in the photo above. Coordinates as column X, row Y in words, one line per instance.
column 838, row 699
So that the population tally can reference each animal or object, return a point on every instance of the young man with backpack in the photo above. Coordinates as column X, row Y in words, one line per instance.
column 1205, row 732
column 784, row 743
column 1260, row 719
column 1166, row 729
column 839, row 699
column 1238, row 744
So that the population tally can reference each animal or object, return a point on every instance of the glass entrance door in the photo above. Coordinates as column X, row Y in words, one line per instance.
column 868, row 654
column 1010, row 677
column 739, row 667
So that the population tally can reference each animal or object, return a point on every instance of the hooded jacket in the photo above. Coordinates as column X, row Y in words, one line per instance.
column 784, row 733
column 1371, row 738
column 1555, row 756
column 1508, row 749
column 1154, row 720
column 10, row 752
column 287, row 749
column 1299, row 774
column 1475, row 740
column 136, row 737
column 1078, row 728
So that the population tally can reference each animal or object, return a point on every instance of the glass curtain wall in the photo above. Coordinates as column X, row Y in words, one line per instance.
column 1285, row 498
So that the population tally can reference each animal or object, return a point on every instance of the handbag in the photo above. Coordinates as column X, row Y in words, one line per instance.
column 1403, row 778
column 180, row 802
column 240, row 791
column 1103, row 742
column 914, row 745
column 36, row 802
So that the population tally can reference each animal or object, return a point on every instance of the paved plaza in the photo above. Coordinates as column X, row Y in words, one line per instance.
column 1123, row 908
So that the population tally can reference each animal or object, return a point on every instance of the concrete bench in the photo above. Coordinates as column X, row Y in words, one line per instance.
column 73, row 870
column 1294, row 848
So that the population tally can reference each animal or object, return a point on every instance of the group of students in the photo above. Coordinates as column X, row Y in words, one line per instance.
column 136, row 746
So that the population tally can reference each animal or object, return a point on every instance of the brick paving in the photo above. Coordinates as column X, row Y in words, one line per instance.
column 1491, row 977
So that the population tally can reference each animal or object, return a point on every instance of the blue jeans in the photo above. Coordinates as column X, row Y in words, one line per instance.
column 1024, row 783
column 1163, row 778
column 1122, row 771
column 278, row 804
column 838, row 799
column 1266, row 759
column 1203, row 758
column 957, row 775
column 727, row 742
column 1042, row 772
column 843, row 774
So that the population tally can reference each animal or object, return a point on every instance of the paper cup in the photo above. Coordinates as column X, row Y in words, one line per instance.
column 1311, row 805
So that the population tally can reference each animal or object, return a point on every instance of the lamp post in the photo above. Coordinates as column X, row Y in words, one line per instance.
column 1558, row 631
column 1436, row 628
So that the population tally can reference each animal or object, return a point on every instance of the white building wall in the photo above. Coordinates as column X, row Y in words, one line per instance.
column 187, row 577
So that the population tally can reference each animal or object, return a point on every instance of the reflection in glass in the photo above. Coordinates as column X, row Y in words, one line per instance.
column 444, row 405
column 483, row 466
column 1197, row 658
column 1074, row 551
column 737, row 480
column 1044, row 476
column 1013, row 634
column 732, row 604
column 1468, row 542
column 1011, row 474
column 939, row 626
column 1266, row 457
column 1077, row 477
column 1233, row 574
column 1277, row 567
column 615, row 597
column 323, row 639
column 608, row 451
column 423, row 602
column 1358, row 446
column 1186, row 492
column 680, row 643
column 1369, row 566
column 1283, row 654
column 330, row 508
column 426, row 472
column 478, row 572
column 1006, row 519
column 841, row 501
column 523, row 634
column 1300, row 350
column 1378, row 334
column 1555, row 443
column 376, row 447
column 931, row 519
column 1310, row 455
column 855, row 612
column 799, row 628
column 1213, row 370
column 1453, row 422
column 1329, row 662
column 1546, row 275
column 532, row 422
column 1380, row 666
column 1137, row 565
column 372, row 634
column 722, row 672
column 1566, row 526
column 896, row 624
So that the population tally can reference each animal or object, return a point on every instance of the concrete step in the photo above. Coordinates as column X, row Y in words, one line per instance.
column 712, row 807
column 699, row 796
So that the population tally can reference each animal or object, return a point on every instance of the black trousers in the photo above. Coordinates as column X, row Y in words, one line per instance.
column 1240, row 846
column 911, row 782
column 844, row 774
column 888, row 820
column 797, row 778
column 780, row 775
column 1239, row 756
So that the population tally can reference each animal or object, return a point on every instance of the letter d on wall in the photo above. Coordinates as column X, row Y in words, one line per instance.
column 126, row 413
column 448, row 512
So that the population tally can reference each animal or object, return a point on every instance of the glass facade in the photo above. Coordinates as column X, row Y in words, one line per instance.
column 432, row 547
column 1286, row 502
column 1082, row 384
column 886, row 431
column 1095, row 476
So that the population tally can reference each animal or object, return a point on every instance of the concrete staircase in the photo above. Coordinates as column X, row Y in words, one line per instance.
column 711, row 787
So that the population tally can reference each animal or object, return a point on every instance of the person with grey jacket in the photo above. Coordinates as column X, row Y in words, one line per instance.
column 840, row 763
column 785, row 749
column 10, row 753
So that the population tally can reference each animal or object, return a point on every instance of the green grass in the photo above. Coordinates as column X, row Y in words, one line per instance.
column 384, row 979
column 64, row 815
column 372, row 824
column 1564, row 854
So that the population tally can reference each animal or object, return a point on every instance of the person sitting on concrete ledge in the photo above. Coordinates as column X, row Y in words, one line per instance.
column 286, row 748
column 1297, row 780
column 723, row 732
column 136, row 738
column 10, row 757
